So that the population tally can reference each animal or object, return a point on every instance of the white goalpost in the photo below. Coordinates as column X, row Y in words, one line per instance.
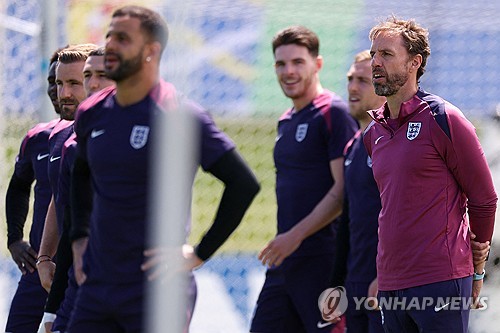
column 173, row 162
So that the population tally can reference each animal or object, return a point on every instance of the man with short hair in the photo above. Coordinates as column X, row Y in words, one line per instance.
column 357, row 233
column 431, row 171
column 64, row 287
column 308, row 156
column 110, row 187
column 69, row 80
column 94, row 73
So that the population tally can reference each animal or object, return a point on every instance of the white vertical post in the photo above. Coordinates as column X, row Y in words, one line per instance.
column 173, row 167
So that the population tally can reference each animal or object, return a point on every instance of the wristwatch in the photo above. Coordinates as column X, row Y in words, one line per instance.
column 477, row 277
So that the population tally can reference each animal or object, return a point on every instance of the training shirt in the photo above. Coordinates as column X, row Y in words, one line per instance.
column 31, row 165
column 363, row 200
column 61, row 132
column 63, row 272
column 68, row 154
column 306, row 143
column 428, row 171
column 115, row 143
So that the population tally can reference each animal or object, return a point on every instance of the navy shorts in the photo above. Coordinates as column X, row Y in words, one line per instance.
column 441, row 307
column 113, row 308
column 361, row 320
column 288, row 301
column 26, row 309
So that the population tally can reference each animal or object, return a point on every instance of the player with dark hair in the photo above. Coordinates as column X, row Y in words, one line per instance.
column 431, row 173
column 95, row 78
column 51, row 79
column 309, row 161
column 31, row 165
column 110, row 188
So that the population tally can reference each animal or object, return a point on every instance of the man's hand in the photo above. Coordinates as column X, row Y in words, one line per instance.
column 479, row 255
column 24, row 256
column 79, row 246
column 479, row 250
column 46, row 270
column 279, row 249
column 372, row 294
column 161, row 262
column 476, row 290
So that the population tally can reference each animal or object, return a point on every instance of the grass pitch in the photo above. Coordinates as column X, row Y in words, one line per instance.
column 254, row 138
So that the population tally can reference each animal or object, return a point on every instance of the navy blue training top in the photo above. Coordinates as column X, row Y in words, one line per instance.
column 306, row 143
column 31, row 164
column 115, row 143
column 363, row 198
column 61, row 132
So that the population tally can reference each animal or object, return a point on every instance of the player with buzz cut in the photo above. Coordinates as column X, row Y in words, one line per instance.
column 31, row 166
column 64, row 287
column 112, row 176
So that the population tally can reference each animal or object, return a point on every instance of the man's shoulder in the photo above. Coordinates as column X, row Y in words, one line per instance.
column 95, row 100
column 442, row 111
column 61, row 126
column 165, row 94
column 330, row 101
column 42, row 129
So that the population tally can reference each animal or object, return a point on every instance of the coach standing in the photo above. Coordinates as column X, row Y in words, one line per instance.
column 430, row 170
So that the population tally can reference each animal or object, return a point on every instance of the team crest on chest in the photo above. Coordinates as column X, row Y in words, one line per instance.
column 139, row 136
column 301, row 132
column 413, row 130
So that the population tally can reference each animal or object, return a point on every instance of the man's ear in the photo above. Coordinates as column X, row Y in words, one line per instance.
column 416, row 62
column 319, row 62
column 153, row 51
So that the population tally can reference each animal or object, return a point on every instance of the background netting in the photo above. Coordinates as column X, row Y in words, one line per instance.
column 219, row 54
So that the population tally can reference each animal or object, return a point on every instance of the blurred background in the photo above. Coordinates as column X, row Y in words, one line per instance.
column 219, row 54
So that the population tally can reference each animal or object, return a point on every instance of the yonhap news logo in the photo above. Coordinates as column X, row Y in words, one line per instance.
column 332, row 303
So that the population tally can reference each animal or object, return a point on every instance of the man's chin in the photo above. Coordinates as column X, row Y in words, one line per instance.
column 68, row 114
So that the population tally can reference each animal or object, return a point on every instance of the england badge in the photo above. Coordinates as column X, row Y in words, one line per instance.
column 301, row 132
column 139, row 136
column 413, row 130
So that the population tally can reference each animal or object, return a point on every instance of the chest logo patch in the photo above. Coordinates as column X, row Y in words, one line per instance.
column 301, row 132
column 139, row 136
column 413, row 130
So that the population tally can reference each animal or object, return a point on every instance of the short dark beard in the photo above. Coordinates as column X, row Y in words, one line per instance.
column 394, row 83
column 67, row 114
column 126, row 68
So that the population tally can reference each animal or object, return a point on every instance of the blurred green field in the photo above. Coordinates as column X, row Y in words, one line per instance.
column 12, row 132
column 254, row 138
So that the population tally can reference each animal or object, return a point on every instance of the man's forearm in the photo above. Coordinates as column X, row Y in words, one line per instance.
column 50, row 236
